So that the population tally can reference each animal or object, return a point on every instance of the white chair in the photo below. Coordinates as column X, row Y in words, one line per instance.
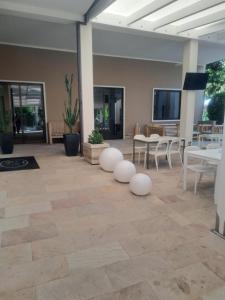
column 199, row 169
column 174, row 149
column 160, row 150
column 139, row 149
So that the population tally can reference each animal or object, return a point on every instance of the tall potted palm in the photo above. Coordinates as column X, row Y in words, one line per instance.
column 6, row 135
column 71, row 117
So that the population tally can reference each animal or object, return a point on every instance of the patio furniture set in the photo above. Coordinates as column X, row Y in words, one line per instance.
column 157, row 146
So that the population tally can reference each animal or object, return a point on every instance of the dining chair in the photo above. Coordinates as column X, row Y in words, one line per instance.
column 161, row 149
column 139, row 149
column 174, row 149
column 199, row 168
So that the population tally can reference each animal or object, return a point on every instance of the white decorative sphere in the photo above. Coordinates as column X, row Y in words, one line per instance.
column 140, row 184
column 109, row 158
column 124, row 171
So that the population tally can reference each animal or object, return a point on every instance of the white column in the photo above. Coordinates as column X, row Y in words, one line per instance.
column 220, row 193
column 190, row 60
column 86, row 79
column 200, row 98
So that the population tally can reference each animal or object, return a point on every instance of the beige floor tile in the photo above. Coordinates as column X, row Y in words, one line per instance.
column 188, row 283
column 79, row 286
column 139, row 291
column 27, row 209
column 13, row 223
column 27, row 275
column 166, row 234
column 28, row 234
column 15, row 255
column 25, row 294
column 96, row 257
column 217, row 294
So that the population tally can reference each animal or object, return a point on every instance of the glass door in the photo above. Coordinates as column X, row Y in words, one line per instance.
column 28, row 112
column 108, row 111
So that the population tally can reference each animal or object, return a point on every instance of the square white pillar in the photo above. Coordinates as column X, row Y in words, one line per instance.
column 190, row 61
column 220, row 193
column 86, row 86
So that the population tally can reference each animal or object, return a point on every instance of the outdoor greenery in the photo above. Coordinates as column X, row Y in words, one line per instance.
column 216, row 81
column 71, row 115
column 216, row 108
column 215, row 91
column 95, row 137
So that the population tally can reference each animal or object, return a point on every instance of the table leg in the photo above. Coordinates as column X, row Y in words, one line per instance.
column 183, row 150
column 134, row 151
column 147, row 155
column 185, row 171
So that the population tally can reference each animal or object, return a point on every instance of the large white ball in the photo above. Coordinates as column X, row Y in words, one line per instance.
column 124, row 171
column 109, row 158
column 140, row 184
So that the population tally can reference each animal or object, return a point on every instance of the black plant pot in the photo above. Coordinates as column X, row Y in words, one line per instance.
column 71, row 143
column 7, row 143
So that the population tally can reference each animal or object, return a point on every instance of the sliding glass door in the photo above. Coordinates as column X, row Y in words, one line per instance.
column 108, row 111
column 27, row 112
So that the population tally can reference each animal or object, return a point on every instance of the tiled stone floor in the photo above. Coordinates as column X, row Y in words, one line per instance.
column 69, row 231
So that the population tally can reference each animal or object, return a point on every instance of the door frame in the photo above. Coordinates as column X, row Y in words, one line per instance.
column 124, row 101
column 10, row 82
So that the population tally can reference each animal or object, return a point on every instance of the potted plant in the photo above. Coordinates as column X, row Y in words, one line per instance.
column 71, row 117
column 94, row 147
column 6, row 135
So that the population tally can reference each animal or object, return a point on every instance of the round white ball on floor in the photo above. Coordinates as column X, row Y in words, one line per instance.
column 124, row 171
column 140, row 184
column 109, row 158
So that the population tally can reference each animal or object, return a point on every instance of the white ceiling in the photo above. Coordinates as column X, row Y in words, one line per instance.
column 34, row 23
column 49, row 10
column 199, row 19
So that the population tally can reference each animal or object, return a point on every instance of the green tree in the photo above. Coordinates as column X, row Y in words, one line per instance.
column 216, row 108
column 215, row 90
column 216, row 81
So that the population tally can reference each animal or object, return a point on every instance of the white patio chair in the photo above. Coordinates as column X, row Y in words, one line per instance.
column 161, row 149
column 199, row 169
column 139, row 149
column 174, row 149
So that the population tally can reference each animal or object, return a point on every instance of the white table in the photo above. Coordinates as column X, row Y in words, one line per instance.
column 214, row 155
column 149, row 140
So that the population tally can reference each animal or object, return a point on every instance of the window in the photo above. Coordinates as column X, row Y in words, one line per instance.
column 166, row 105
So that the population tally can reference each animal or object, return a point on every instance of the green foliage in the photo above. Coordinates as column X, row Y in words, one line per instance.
column 95, row 137
column 5, row 119
column 216, row 108
column 216, row 79
column 72, row 110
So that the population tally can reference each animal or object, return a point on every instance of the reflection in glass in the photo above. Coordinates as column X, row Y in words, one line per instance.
column 108, row 111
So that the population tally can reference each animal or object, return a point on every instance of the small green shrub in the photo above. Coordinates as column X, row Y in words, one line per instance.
column 95, row 137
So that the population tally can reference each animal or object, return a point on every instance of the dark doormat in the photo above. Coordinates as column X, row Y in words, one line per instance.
column 18, row 163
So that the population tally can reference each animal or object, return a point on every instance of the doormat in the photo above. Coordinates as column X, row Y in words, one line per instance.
column 18, row 163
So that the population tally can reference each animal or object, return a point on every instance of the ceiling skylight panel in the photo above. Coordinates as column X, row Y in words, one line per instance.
column 201, row 14
column 127, row 7
column 170, row 9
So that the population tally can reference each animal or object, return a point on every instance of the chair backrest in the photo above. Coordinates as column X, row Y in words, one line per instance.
column 154, row 136
column 213, row 146
column 175, row 145
column 162, row 146
column 139, row 136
